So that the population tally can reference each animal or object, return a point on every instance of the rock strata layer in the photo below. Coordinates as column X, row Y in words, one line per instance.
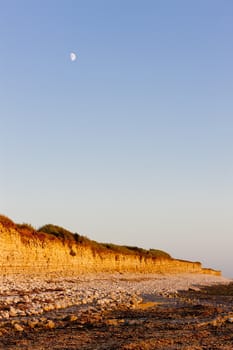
column 36, row 255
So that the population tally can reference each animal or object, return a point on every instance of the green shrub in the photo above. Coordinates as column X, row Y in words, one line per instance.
column 131, row 250
column 26, row 226
column 137, row 250
column 57, row 231
column 65, row 235
column 159, row 254
column 116, row 248
column 81, row 239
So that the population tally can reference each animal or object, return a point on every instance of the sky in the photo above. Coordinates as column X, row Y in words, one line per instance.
column 131, row 143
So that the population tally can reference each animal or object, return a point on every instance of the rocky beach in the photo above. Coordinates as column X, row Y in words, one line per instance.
column 61, row 290
column 116, row 311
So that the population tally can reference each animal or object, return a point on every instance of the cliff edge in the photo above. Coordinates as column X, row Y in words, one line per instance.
column 54, row 249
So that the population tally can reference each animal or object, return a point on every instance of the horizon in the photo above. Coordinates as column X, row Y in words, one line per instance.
column 117, row 120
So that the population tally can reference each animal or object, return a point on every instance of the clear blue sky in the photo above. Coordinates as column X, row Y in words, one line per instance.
column 133, row 142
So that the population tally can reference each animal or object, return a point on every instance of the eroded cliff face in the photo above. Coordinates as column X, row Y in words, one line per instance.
column 36, row 255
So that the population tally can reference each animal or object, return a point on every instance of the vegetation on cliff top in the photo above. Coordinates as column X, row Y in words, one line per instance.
column 54, row 232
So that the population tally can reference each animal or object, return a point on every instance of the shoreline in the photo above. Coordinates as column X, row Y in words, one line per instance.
column 32, row 307
column 34, row 295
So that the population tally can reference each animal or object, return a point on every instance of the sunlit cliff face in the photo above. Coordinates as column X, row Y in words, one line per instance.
column 25, row 252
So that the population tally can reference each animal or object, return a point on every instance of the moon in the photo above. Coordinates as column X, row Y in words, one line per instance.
column 73, row 56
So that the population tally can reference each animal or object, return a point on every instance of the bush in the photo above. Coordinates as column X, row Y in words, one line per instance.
column 159, row 254
column 57, row 231
column 5, row 221
column 81, row 239
column 131, row 250
column 116, row 248
column 137, row 250
column 65, row 235
column 26, row 226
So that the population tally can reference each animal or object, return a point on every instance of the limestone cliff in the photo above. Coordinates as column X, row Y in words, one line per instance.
column 30, row 251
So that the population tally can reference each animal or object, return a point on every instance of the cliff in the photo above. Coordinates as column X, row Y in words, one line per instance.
column 52, row 249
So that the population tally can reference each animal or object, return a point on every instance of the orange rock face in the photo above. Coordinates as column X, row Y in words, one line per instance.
column 38, row 254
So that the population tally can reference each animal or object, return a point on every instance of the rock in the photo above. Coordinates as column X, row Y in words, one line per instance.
column 3, row 331
column 73, row 318
column 194, row 289
column 48, row 307
column 70, row 318
column 32, row 323
column 18, row 327
column 26, row 298
column 112, row 322
column 5, row 314
column 50, row 324
column 12, row 312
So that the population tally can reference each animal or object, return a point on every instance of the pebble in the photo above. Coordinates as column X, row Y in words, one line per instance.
column 73, row 318
column 112, row 322
column 33, row 296
column 18, row 327
column 50, row 324
column 33, row 323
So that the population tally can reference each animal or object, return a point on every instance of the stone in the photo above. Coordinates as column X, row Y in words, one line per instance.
column 50, row 324
column 32, row 323
column 12, row 312
column 73, row 318
column 18, row 327
column 48, row 307
column 112, row 322
column 5, row 314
